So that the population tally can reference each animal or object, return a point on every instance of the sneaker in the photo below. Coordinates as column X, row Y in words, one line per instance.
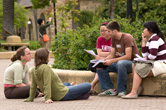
column 109, row 92
column 121, row 94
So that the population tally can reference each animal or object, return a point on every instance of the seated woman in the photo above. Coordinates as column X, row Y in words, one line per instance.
column 103, row 47
column 16, row 78
column 51, row 85
column 154, row 50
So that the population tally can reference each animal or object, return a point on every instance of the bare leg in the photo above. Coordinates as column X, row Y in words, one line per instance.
column 94, row 82
column 136, row 83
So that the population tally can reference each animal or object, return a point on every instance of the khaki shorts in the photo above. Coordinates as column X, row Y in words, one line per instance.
column 43, row 44
column 159, row 67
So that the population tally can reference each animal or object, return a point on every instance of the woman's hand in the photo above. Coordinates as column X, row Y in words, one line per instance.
column 49, row 19
column 144, row 38
column 29, row 83
column 48, row 101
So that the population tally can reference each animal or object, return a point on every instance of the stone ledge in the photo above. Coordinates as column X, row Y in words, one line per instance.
column 14, row 44
column 9, row 54
column 151, row 86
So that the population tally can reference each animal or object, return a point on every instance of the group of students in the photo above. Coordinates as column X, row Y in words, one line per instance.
column 120, row 58
column 116, row 48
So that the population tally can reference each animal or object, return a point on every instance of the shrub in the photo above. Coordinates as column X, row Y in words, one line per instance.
column 34, row 45
column 68, row 47
column 85, row 17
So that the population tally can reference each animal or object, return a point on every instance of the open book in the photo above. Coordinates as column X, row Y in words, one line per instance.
column 97, row 63
column 139, row 58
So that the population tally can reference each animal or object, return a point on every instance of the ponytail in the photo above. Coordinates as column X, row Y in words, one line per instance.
column 14, row 58
column 161, row 35
column 20, row 52
column 153, row 27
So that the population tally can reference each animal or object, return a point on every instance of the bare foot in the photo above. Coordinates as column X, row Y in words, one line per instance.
column 72, row 83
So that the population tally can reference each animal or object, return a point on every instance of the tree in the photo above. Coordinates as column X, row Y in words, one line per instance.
column 41, row 3
column 112, row 5
column 20, row 15
column 129, row 9
column 8, row 18
column 67, row 11
column 1, row 16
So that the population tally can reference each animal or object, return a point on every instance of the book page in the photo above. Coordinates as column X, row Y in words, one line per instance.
column 99, row 61
column 91, row 52
column 139, row 58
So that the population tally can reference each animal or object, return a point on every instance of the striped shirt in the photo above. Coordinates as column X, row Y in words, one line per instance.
column 155, row 48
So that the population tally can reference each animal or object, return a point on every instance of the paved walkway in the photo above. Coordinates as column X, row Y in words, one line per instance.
column 93, row 103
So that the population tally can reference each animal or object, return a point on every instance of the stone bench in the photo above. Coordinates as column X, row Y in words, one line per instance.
column 13, row 42
column 151, row 86
column 14, row 45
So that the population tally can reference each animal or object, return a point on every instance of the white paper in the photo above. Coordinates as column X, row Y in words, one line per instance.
column 139, row 58
column 97, row 62
column 91, row 52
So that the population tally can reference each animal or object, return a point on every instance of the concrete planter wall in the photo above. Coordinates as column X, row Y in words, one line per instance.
column 151, row 86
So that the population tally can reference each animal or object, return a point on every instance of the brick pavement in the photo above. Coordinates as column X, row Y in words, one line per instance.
column 94, row 103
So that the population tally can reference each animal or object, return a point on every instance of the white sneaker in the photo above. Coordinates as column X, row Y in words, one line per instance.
column 120, row 94
column 109, row 92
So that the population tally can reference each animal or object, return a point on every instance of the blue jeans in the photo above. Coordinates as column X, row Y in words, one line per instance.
column 122, row 67
column 77, row 90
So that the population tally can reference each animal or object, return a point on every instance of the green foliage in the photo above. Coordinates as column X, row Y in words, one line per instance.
column 148, row 10
column 68, row 47
column 20, row 15
column 146, row 7
column 85, row 17
column 34, row 45
column 41, row 3
column 67, row 11
column 103, row 9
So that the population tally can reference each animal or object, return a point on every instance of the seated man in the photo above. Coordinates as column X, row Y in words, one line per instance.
column 123, row 50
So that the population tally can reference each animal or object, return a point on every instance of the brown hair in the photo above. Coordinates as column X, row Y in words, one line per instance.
column 41, row 56
column 114, row 25
column 20, row 52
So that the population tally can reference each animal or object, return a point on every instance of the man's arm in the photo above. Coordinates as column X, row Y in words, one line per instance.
column 127, row 56
column 111, row 55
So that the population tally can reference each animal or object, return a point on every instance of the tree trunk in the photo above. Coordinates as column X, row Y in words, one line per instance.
column 8, row 18
column 112, row 5
column 129, row 9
